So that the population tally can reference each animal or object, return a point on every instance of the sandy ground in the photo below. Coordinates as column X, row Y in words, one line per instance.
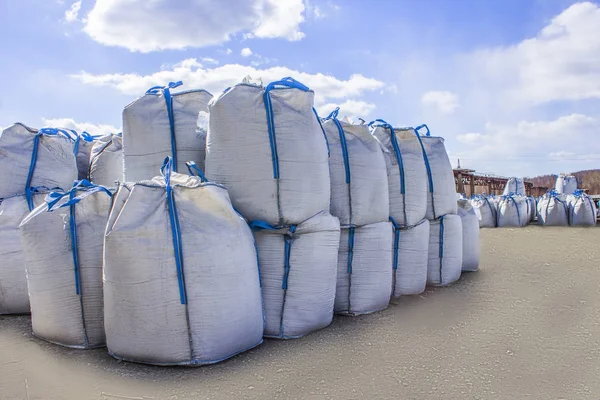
column 526, row 326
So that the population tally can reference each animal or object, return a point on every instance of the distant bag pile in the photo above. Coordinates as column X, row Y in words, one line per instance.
column 514, row 186
column 206, row 277
column 160, row 124
column 565, row 184
column 63, row 260
column 582, row 210
column 553, row 210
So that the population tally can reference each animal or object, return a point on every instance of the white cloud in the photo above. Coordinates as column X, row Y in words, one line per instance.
column 145, row 26
column 349, row 108
column 216, row 79
column 443, row 101
column 71, row 13
column 532, row 147
column 561, row 63
column 246, row 52
column 69, row 123
column 210, row 60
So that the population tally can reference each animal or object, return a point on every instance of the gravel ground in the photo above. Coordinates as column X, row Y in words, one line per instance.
column 526, row 326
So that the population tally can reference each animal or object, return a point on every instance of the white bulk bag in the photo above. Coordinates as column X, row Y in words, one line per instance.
column 565, row 184
column 445, row 250
column 14, row 298
column 514, row 186
column 161, row 124
column 409, row 263
column 188, row 293
column 364, row 276
column 485, row 210
column 31, row 158
column 298, row 267
column 442, row 187
column 83, row 150
column 512, row 211
column 532, row 207
column 553, row 210
column 63, row 260
column 359, row 183
column 470, row 236
column 582, row 210
column 407, row 174
column 106, row 161
column 266, row 145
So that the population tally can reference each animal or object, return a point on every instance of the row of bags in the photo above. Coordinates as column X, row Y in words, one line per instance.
column 182, row 283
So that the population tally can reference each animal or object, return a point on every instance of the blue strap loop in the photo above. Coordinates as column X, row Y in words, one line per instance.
column 342, row 135
column 289, row 83
column 381, row 123
column 425, row 157
column 194, row 170
column 165, row 91
column 84, row 186
column 166, row 171
column 322, row 130
column 396, row 242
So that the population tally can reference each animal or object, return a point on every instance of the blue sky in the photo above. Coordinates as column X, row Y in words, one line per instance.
column 513, row 85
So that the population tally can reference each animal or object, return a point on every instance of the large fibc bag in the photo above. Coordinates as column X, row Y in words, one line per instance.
column 266, row 145
column 359, row 182
column 364, row 274
column 442, row 187
column 406, row 169
column 36, row 158
column 83, row 149
column 514, row 186
column 106, row 161
column 512, row 211
column 486, row 211
column 181, row 279
column 160, row 124
column 553, row 209
column 298, row 267
column 410, row 255
column 470, row 235
column 14, row 298
column 582, row 209
column 444, row 263
column 565, row 184
column 62, row 243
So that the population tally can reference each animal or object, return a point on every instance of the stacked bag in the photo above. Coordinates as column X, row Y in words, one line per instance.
column 565, row 184
column 407, row 193
column 32, row 162
column 553, row 209
column 445, row 238
column 266, row 145
column 359, row 198
column 582, row 210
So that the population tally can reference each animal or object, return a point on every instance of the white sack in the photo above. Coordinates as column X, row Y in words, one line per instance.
column 441, row 199
column 145, row 320
column 303, row 302
column 359, row 183
column 106, row 161
column 445, row 250
column 582, row 210
column 566, row 184
column 532, row 207
column 486, row 211
column 512, row 211
column 470, row 236
column 364, row 274
column 14, row 298
column 514, row 186
column 409, row 263
column 407, row 175
column 58, row 313
column 147, row 131
column 553, row 210
column 239, row 152
column 55, row 163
